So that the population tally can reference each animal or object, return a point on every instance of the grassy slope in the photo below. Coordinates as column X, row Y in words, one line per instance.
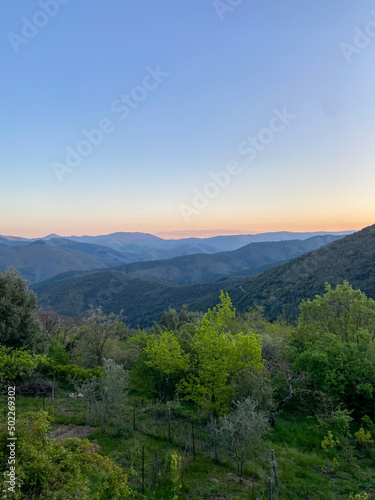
column 301, row 463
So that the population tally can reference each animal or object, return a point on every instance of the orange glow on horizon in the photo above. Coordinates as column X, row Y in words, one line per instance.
column 168, row 232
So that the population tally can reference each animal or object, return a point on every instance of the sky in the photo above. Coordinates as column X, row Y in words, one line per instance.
column 186, row 117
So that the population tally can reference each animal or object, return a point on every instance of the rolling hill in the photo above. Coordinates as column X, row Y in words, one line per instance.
column 278, row 290
column 106, row 255
column 144, row 246
column 281, row 289
column 136, row 247
column 143, row 300
column 144, row 243
column 10, row 241
column 39, row 260
column 200, row 268
column 233, row 242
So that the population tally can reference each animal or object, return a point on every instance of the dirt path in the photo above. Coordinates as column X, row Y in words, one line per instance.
column 67, row 431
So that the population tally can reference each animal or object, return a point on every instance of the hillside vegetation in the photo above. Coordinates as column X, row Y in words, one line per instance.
column 142, row 300
column 278, row 290
column 220, row 405
column 202, row 268
column 281, row 289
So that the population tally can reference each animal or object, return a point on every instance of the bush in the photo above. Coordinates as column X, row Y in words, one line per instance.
column 123, row 432
column 63, row 470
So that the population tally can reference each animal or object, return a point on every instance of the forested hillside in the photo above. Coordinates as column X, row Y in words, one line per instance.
column 214, row 405
column 202, row 268
column 278, row 290
column 142, row 300
column 281, row 289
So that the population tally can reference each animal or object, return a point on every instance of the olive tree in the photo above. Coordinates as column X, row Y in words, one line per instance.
column 239, row 433
column 99, row 334
column 106, row 395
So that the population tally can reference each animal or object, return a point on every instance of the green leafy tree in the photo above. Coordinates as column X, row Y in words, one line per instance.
column 19, row 326
column 341, row 311
column 58, row 352
column 343, row 370
column 18, row 366
column 335, row 419
column 173, row 320
column 363, row 437
column 167, row 356
column 335, row 346
column 218, row 358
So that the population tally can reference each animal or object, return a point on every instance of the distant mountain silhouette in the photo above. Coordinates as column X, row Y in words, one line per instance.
column 200, row 268
column 39, row 260
column 278, row 290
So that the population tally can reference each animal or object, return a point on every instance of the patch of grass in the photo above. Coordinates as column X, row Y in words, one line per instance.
column 298, row 431
column 301, row 464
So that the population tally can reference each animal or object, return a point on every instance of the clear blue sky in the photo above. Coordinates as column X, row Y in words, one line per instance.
column 226, row 76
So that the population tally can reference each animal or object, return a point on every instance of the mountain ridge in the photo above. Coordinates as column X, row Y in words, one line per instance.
column 279, row 290
column 200, row 268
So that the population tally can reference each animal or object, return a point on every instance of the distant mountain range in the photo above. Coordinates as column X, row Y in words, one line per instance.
column 145, row 246
column 278, row 290
column 42, row 260
column 70, row 274
column 250, row 259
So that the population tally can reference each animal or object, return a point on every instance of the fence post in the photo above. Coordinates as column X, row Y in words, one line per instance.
column 193, row 438
column 269, row 489
column 169, row 424
column 143, row 470
column 134, row 415
column 274, row 468
column 201, row 433
column 53, row 391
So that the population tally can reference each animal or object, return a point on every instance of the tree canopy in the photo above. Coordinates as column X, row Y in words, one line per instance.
column 335, row 346
column 218, row 357
column 19, row 326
